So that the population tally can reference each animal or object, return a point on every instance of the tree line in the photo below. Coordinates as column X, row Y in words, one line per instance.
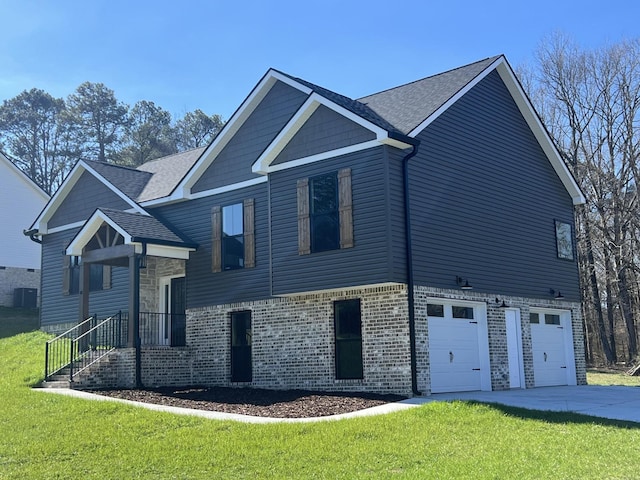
column 45, row 136
column 589, row 100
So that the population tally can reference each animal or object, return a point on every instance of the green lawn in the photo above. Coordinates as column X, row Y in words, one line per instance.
column 605, row 377
column 46, row 436
column 17, row 320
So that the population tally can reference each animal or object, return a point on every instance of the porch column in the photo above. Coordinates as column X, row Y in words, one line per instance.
column 134, row 310
column 84, row 282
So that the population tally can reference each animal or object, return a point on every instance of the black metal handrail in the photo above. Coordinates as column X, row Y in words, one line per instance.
column 162, row 329
column 57, row 353
column 97, row 342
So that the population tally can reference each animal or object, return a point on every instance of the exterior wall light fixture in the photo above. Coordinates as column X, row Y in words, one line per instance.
column 556, row 294
column 465, row 285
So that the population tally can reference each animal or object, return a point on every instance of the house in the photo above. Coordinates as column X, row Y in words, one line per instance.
column 20, row 199
column 416, row 240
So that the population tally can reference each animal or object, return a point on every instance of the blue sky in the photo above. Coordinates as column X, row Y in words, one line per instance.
column 191, row 54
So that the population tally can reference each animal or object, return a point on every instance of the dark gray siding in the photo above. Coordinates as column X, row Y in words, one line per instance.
column 87, row 194
column 367, row 262
column 398, row 268
column 325, row 130
column 484, row 200
column 205, row 288
column 233, row 164
column 59, row 308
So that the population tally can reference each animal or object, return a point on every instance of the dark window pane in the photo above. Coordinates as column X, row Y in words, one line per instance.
column 552, row 319
column 241, row 365
column 95, row 279
column 232, row 237
column 324, row 194
column 462, row 312
column 324, row 218
column 325, row 232
column 435, row 310
column 534, row 318
column 348, row 332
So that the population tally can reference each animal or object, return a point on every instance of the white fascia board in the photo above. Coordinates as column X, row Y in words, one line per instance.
column 231, row 128
column 323, row 156
column 89, row 230
column 540, row 132
column 445, row 106
column 67, row 186
column 165, row 251
column 263, row 164
column 228, row 188
column 69, row 226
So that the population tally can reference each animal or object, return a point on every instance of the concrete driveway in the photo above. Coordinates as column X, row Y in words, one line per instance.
column 615, row 402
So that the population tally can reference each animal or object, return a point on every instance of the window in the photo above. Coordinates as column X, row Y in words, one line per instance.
column 550, row 319
column 564, row 240
column 325, row 212
column 241, row 340
column 348, row 333
column 534, row 318
column 435, row 310
column 232, row 237
column 462, row 312
column 96, row 276
column 323, row 201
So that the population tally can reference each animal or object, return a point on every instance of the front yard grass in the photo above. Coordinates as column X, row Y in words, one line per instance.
column 611, row 377
column 46, row 436
column 17, row 320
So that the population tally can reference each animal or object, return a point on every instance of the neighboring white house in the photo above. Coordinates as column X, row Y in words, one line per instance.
column 20, row 201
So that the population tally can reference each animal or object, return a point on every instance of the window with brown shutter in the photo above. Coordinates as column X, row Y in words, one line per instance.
column 325, row 212
column 249, row 234
column 233, row 236
column 216, row 238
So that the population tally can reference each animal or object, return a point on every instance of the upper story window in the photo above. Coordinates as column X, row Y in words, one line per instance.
column 232, row 237
column 325, row 212
column 564, row 240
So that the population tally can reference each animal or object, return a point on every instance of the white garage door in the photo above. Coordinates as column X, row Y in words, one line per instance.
column 454, row 352
column 549, row 351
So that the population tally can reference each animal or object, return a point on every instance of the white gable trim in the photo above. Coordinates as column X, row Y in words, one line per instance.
column 67, row 186
column 69, row 226
column 228, row 188
column 24, row 178
column 528, row 112
column 263, row 164
column 323, row 156
column 90, row 228
column 236, row 121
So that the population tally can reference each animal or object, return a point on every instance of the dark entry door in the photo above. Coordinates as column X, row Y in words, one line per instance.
column 178, row 308
column 241, row 369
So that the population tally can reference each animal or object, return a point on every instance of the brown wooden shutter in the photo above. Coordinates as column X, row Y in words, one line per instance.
column 345, row 205
column 106, row 277
column 249, row 234
column 304, row 225
column 216, row 239
column 66, row 274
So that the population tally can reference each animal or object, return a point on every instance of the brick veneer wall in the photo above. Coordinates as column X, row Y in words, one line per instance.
column 293, row 341
column 497, row 333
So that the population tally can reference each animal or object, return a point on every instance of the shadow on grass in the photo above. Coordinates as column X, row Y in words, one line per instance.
column 556, row 417
column 14, row 321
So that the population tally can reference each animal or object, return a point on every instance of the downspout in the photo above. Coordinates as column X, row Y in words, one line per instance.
column 409, row 261
column 32, row 235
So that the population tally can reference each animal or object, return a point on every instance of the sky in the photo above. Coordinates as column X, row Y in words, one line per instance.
column 208, row 55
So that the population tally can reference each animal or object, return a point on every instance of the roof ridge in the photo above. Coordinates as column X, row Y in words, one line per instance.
column 172, row 155
column 115, row 165
column 430, row 76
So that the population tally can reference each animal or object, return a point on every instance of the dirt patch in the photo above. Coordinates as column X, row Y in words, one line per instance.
column 256, row 402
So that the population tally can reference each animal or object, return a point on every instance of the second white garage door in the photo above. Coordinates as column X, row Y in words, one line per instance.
column 552, row 362
column 455, row 347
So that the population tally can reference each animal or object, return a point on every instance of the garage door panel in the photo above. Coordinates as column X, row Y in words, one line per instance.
column 549, row 355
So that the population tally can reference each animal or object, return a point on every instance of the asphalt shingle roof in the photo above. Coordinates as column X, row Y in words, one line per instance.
column 407, row 106
column 129, row 181
column 146, row 228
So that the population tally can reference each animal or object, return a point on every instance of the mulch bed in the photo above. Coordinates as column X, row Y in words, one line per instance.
column 256, row 402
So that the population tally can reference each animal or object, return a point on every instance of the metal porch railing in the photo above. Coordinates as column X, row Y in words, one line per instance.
column 84, row 344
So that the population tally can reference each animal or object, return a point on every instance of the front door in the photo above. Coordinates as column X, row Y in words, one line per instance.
column 241, row 367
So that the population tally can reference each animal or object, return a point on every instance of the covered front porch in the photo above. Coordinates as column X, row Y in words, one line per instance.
column 155, row 258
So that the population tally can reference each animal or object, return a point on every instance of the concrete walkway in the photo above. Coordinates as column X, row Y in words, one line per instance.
column 613, row 402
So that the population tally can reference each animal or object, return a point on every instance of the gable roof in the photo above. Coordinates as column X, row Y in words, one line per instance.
column 407, row 106
column 23, row 177
column 136, row 229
